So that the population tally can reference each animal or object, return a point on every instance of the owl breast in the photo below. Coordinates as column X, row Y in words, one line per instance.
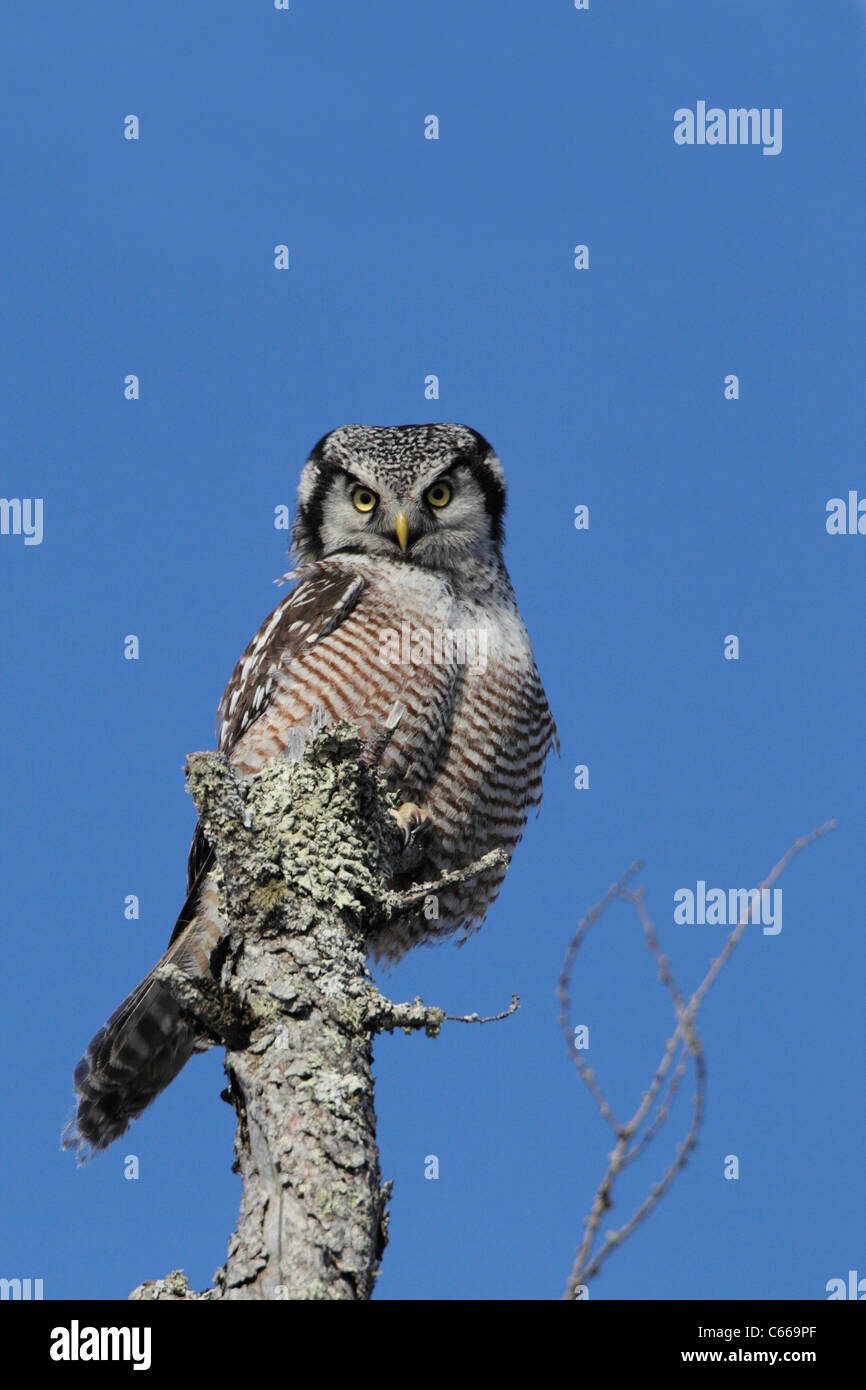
column 473, row 728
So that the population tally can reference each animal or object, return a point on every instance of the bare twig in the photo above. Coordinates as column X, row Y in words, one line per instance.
column 491, row 1018
column 383, row 1016
column 682, row 1044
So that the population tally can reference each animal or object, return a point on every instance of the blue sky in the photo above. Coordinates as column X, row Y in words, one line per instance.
column 602, row 387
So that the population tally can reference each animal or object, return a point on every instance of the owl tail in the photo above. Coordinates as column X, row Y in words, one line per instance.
column 133, row 1057
column 145, row 1042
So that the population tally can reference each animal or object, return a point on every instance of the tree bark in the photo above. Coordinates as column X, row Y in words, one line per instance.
column 305, row 852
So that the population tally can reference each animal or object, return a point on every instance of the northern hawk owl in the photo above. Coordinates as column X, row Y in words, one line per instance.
column 402, row 601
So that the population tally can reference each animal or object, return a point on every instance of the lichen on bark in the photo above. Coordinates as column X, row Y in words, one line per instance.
column 305, row 860
column 304, row 856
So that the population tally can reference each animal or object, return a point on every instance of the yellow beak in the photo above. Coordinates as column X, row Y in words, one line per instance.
column 401, row 527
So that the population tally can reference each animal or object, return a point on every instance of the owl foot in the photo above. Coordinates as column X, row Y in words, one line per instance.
column 412, row 822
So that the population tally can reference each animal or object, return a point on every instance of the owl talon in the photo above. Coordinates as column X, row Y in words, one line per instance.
column 412, row 822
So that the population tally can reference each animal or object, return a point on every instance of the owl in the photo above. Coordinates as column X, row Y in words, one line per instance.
column 403, row 618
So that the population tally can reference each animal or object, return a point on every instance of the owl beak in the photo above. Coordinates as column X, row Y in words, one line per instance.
column 401, row 528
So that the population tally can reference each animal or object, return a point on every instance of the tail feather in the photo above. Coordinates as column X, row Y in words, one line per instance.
column 134, row 1056
column 146, row 1041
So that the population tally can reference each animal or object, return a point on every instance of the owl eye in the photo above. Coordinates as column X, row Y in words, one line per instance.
column 439, row 495
column 364, row 499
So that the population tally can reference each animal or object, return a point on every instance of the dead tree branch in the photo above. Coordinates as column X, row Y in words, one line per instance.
column 684, row 1044
column 305, row 853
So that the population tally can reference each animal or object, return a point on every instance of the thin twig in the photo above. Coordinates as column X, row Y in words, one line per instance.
column 586, row 1073
column 383, row 1015
column 491, row 1018
column 684, row 1041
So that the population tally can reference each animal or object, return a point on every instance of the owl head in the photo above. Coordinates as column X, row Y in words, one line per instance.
column 431, row 495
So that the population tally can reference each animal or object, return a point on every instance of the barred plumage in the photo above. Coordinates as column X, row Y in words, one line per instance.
column 402, row 602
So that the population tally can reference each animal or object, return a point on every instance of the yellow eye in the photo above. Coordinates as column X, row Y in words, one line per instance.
column 364, row 499
column 439, row 495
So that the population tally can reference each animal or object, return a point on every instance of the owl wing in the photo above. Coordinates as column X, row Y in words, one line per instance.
column 146, row 1041
column 323, row 598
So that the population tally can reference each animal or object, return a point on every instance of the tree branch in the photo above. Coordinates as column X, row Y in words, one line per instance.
column 305, row 852
column 683, row 1043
